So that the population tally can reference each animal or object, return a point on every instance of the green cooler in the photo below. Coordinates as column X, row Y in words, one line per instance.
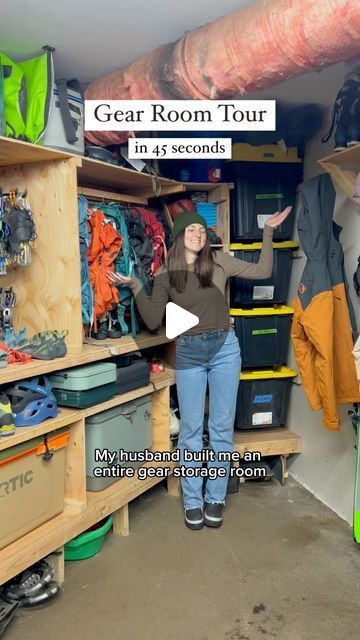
column 85, row 386
column 127, row 427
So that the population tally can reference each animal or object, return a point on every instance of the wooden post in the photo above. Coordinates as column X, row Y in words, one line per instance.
column 173, row 486
column 160, row 420
column 58, row 562
column 75, row 475
column 121, row 521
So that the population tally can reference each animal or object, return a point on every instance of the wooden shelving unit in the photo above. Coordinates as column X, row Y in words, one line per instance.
column 343, row 167
column 49, row 297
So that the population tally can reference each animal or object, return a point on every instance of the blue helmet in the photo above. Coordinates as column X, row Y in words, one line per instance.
column 32, row 401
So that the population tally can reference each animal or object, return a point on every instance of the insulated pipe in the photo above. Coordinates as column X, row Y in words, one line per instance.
column 260, row 45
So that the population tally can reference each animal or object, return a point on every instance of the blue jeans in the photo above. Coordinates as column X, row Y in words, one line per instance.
column 209, row 358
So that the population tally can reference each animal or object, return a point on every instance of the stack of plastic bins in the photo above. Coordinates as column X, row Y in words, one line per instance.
column 266, row 180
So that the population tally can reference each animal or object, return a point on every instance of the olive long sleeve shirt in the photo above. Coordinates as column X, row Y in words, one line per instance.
column 207, row 303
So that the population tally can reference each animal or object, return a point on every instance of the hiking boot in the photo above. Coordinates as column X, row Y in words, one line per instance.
column 343, row 113
column 213, row 514
column 194, row 518
column 7, row 426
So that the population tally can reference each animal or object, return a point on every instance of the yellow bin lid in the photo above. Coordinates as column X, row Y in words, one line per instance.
column 258, row 245
column 268, row 374
column 280, row 310
column 243, row 152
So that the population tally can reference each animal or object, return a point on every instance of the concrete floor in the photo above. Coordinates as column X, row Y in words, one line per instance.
column 282, row 566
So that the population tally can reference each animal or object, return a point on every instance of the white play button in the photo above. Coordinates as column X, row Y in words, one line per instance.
column 178, row 320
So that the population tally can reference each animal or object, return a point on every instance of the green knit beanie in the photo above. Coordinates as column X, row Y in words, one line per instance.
column 183, row 220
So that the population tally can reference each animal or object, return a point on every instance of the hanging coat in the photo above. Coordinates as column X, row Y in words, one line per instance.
column 321, row 330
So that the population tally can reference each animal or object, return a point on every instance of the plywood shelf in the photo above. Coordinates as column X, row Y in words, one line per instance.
column 23, row 434
column 100, row 174
column 91, row 353
column 268, row 442
column 336, row 165
column 16, row 152
column 157, row 381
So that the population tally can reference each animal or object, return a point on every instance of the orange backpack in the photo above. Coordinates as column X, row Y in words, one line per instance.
column 103, row 250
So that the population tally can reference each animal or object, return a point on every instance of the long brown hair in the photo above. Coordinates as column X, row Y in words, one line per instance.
column 177, row 267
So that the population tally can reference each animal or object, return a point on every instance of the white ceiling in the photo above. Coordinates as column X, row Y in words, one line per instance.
column 95, row 37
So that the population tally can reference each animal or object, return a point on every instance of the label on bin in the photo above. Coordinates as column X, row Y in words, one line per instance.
column 262, row 332
column 262, row 399
column 263, row 293
column 262, row 418
column 262, row 218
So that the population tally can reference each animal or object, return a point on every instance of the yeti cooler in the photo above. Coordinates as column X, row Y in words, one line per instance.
column 127, row 427
column 85, row 386
column 272, row 291
column 263, row 398
column 264, row 335
column 32, row 481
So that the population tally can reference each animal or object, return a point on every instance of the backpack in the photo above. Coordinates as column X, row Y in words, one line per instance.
column 65, row 130
column 87, row 295
column 27, row 86
column 125, row 265
column 142, row 247
column 155, row 231
column 102, row 253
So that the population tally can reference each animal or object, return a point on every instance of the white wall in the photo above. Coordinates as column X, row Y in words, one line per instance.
column 326, row 465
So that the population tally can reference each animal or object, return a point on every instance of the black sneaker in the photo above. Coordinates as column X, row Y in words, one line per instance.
column 213, row 514
column 194, row 518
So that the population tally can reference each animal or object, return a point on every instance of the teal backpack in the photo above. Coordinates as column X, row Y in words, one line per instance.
column 125, row 265
column 87, row 294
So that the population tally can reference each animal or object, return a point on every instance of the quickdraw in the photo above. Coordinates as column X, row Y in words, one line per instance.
column 17, row 230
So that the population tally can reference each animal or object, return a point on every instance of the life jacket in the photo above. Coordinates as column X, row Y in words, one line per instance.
column 27, row 87
column 102, row 253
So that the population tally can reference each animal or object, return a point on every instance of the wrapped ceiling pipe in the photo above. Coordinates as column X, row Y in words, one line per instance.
column 260, row 45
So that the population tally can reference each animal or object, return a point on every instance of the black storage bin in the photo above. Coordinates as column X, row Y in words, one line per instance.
column 264, row 335
column 263, row 398
column 254, row 201
column 261, row 188
column 272, row 291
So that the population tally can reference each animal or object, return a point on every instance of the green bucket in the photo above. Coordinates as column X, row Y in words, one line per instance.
column 87, row 544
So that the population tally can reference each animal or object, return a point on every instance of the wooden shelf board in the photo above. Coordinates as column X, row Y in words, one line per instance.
column 102, row 195
column 23, row 434
column 16, row 152
column 91, row 353
column 206, row 186
column 268, row 442
column 51, row 535
column 348, row 156
column 68, row 416
column 158, row 381
column 101, row 174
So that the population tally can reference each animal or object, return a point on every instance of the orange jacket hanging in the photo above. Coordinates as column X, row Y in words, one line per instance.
column 321, row 331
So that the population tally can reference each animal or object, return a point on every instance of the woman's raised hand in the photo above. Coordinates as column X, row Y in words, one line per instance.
column 278, row 218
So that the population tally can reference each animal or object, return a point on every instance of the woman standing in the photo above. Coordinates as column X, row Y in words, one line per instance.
column 194, row 277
